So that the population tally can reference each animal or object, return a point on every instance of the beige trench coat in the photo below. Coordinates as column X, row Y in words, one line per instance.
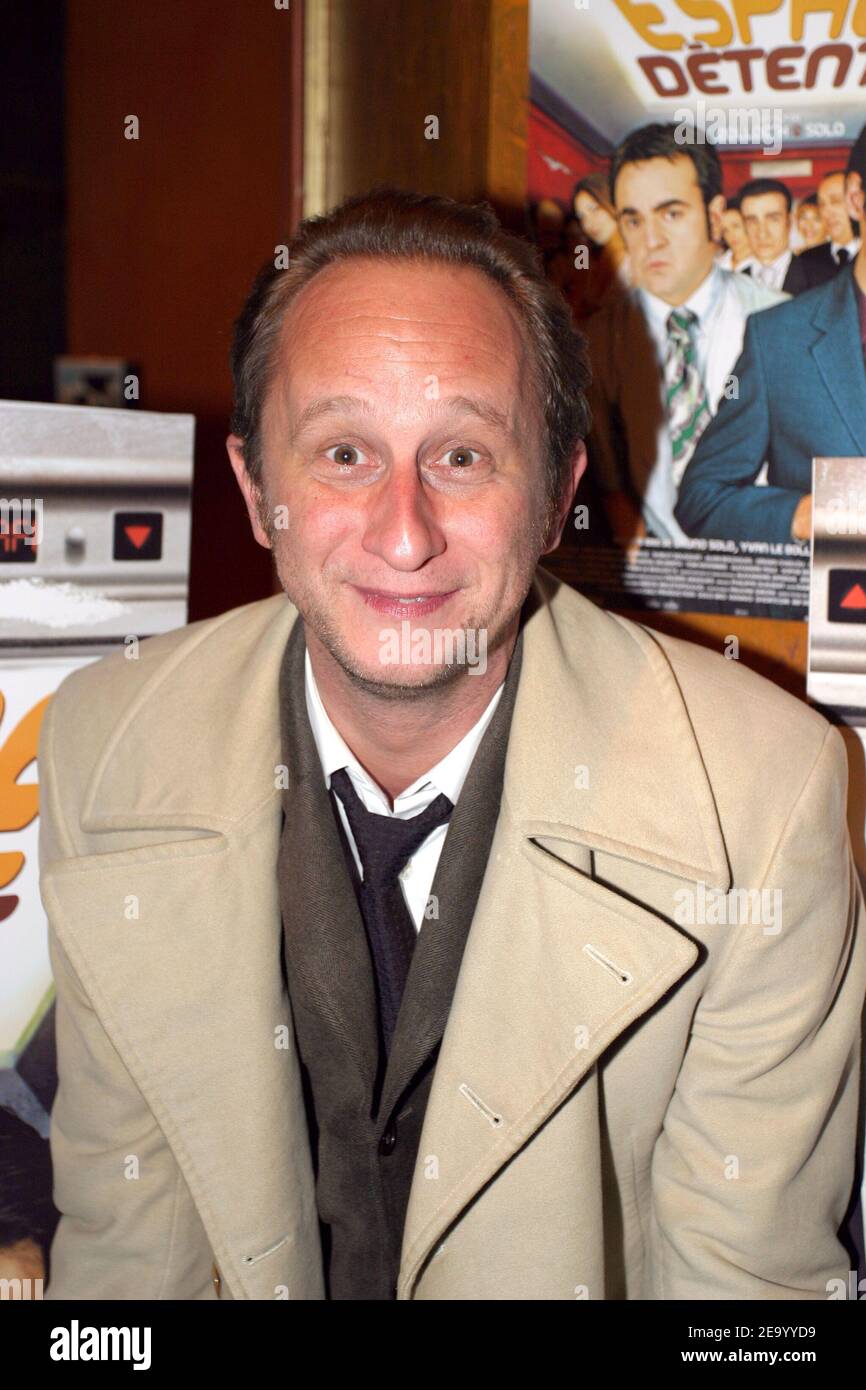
column 645, row 1088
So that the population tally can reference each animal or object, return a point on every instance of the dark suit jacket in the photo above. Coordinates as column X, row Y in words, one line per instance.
column 802, row 393
column 811, row 269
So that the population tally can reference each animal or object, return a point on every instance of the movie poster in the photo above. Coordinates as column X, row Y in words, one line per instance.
column 727, row 127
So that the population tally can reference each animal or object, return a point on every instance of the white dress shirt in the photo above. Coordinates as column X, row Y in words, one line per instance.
column 852, row 247
column 726, row 261
column 446, row 777
column 772, row 276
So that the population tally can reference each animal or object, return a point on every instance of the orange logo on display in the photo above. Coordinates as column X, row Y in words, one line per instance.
column 138, row 534
column 16, row 543
column 855, row 597
column 19, row 804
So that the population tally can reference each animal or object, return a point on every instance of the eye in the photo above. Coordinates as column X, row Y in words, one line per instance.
column 346, row 454
column 460, row 457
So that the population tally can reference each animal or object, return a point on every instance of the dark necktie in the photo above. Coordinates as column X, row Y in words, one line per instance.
column 384, row 845
column 841, row 255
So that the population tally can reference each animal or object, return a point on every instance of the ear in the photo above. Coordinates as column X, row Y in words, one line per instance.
column 251, row 494
column 855, row 203
column 715, row 208
column 576, row 469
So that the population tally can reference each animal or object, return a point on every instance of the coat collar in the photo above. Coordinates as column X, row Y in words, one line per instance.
column 601, row 752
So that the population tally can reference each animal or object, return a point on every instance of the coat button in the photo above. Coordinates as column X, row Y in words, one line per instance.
column 217, row 1281
column 389, row 1139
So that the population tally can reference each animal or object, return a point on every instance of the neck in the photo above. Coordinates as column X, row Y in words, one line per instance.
column 396, row 740
column 676, row 300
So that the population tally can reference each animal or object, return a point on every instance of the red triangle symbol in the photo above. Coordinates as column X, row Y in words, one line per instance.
column 139, row 534
column 855, row 597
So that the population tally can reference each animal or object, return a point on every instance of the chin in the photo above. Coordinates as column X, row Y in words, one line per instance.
column 414, row 658
column 401, row 680
column 658, row 287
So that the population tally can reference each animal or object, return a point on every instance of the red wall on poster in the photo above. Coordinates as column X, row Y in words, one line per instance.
column 557, row 159
column 738, row 166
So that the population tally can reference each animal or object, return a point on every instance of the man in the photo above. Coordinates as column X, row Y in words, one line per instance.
column 802, row 394
column 766, row 208
column 819, row 264
column 284, row 1074
column 662, row 355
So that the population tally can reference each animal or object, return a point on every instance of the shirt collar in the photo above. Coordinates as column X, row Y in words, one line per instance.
column 852, row 247
column 447, row 776
column 703, row 301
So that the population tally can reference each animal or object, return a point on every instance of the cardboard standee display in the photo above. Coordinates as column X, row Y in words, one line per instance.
column 94, row 557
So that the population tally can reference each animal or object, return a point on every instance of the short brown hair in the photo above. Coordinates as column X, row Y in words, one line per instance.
column 398, row 224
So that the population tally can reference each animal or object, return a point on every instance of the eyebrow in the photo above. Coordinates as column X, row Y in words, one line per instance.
column 467, row 405
column 770, row 212
column 669, row 203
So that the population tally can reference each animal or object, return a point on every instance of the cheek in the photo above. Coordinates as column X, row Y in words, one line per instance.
column 688, row 232
column 493, row 530
column 321, row 521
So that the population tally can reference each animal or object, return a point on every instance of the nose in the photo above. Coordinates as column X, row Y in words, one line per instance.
column 400, row 525
column 655, row 236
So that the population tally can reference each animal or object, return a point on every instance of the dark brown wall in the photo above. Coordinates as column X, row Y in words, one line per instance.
column 465, row 61
column 165, row 233
column 32, row 275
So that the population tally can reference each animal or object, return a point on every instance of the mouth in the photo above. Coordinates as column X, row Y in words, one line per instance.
column 398, row 605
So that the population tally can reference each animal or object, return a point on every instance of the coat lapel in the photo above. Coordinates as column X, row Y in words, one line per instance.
column 838, row 354
column 601, row 755
column 555, row 968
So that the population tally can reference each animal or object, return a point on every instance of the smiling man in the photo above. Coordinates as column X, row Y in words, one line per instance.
column 441, row 405
column 414, row 976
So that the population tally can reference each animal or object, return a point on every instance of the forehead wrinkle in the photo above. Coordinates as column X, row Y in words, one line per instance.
column 357, row 301
column 377, row 330
column 483, row 410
